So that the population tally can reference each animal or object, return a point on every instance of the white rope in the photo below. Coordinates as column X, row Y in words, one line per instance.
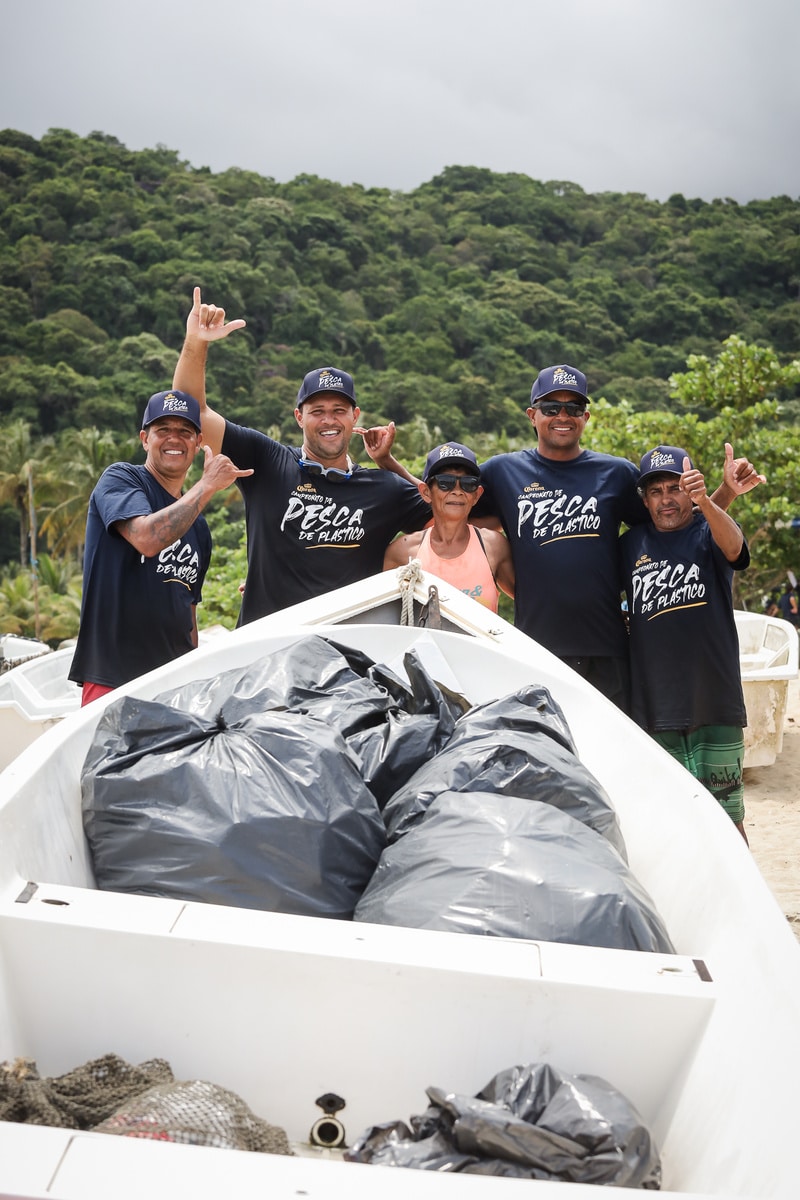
column 408, row 577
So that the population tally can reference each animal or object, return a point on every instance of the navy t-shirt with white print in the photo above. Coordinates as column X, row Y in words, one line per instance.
column 308, row 534
column 136, row 612
column 563, row 519
column 684, row 647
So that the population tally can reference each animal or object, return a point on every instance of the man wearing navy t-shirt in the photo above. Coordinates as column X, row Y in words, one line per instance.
column 147, row 551
column 315, row 519
column 686, row 679
column 562, row 507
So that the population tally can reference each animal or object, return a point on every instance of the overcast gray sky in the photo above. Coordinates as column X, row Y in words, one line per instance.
column 654, row 96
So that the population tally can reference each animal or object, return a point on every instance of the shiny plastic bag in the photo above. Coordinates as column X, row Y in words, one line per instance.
column 518, row 745
column 530, row 1122
column 510, row 867
column 268, row 812
column 392, row 728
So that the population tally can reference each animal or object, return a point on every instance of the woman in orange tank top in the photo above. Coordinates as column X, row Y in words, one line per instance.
column 477, row 563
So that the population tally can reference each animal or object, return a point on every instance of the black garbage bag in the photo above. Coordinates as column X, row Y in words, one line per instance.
column 269, row 812
column 532, row 1122
column 309, row 675
column 413, row 733
column 518, row 745
column 511, row 867
column 392, row 728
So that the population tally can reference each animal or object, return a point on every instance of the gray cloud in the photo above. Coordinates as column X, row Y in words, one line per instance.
column 653, row 96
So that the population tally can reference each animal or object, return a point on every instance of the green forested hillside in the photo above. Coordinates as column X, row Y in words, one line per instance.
column 443, row 302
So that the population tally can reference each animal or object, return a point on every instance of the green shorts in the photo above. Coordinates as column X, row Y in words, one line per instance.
column 715, row 755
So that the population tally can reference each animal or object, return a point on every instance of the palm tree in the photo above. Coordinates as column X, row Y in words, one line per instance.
column 70, row 473
column 20, row 457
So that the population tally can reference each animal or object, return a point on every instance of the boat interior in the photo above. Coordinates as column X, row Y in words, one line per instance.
column 284, row 1009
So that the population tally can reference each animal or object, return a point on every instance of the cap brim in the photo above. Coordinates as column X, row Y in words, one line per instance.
column 327, row 392
column 441, row 468
column 660, row 471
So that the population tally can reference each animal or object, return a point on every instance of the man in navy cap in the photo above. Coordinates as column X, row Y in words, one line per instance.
column 475, row 561
column 562, row 507
column 147, row 551
column 315, row 519
column 678, row 570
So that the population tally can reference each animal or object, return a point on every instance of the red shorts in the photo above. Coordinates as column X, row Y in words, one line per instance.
column 93, row 691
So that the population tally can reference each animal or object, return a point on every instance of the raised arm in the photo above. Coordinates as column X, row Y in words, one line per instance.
column 205, row 324
column 738, row 476
column 378, row 445
column 152, row 533
column 724, row 530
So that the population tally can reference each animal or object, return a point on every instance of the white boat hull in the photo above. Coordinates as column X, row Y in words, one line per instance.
column 282, row 1008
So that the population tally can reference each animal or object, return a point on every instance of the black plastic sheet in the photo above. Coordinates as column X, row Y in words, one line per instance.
column 530, row 1122
column 511, row 867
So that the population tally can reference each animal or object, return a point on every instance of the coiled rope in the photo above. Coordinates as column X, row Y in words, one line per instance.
column 408, row 577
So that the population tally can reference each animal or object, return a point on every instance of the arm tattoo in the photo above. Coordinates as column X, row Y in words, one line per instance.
column 163, row 527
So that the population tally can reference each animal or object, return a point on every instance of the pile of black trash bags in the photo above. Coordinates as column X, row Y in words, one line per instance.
column 318, row 782
column 529, row 1122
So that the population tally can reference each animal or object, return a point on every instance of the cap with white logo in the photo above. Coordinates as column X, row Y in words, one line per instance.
column 324, row 380
column 172, row 404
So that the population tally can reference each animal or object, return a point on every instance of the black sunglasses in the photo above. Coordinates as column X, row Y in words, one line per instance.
column 552, row 408
column 446, row 483
column 316, row 469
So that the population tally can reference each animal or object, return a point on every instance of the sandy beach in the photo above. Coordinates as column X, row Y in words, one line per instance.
column 772, row 815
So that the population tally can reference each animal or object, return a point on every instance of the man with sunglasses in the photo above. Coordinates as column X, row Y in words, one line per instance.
column 315, row 519
column 562, row 507
column 475, row 562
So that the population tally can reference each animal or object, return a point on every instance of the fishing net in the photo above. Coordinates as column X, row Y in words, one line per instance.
column 81, row 1098
column 196, row 1113
column 109, row 1095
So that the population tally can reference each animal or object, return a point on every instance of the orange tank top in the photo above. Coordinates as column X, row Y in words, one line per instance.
column 470, row 572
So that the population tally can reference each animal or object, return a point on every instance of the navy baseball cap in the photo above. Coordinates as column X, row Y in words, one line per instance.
column 172, row 404
column 663, row 460
column 451, row 454
column 325, row 380
column 559, row 379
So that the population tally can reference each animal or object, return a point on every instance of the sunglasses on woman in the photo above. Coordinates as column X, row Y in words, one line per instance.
column 446, row 483
column 552, row 408
column 316, row 469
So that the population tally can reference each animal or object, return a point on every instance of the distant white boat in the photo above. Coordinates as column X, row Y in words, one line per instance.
column 37, row 694
column 17, row 649
column 283, row 1009
column 768, row 657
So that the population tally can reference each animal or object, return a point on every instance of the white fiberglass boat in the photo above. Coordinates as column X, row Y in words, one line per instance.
column 35, row 695
column 283, row 1009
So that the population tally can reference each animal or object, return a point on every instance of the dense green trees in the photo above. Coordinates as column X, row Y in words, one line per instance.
column 444, row 302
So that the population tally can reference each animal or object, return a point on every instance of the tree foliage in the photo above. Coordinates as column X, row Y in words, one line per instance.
column 444, row 302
